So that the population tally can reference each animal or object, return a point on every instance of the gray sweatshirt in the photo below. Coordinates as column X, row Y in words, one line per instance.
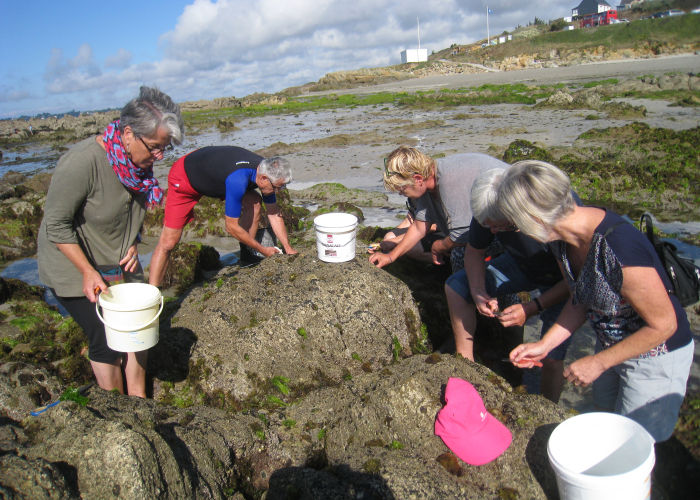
column 87, row 204
column 450, row 207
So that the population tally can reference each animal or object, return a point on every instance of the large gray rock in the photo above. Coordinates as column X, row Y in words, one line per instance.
column 371, row 436
column 24, row 387
column 291, row 316
column 130, row 448
column 14, row 178
column 32, row 480
column 382, row 424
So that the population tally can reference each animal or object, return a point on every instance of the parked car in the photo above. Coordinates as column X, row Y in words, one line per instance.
column 695, row 11
column 624, row 20
column 674, row 12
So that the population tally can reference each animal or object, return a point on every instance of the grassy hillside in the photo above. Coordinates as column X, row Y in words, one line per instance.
column 677, row 31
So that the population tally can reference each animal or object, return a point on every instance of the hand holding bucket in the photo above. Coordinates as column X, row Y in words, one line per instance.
column 130, row 311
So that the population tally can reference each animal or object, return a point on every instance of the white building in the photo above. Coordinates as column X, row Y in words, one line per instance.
column 414, row 55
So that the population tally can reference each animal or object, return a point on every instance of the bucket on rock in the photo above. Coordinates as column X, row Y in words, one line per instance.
column 335, row 236
column 601, row 456
column 130, row 316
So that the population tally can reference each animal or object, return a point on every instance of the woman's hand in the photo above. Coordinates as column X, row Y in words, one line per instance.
column 92, row 281
column 380, row 259
column 526, row 354
column 584, row 371
column 131, row 261
column 485, row 304
column 514, row 315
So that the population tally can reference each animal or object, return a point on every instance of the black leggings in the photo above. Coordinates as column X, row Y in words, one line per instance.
column 83, row 312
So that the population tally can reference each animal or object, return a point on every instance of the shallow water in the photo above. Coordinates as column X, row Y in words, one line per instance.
column 27, row 270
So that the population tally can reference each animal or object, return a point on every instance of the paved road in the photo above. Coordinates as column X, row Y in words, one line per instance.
column 687, row 63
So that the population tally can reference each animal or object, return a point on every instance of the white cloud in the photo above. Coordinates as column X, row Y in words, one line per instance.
column 7, row 95
column 237, row 47
column 121, row 59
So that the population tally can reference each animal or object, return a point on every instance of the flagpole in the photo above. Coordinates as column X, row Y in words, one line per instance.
column 418, row 23
column 488, row 37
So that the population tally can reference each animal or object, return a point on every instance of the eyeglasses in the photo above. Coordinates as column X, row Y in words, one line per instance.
column 156, row 151
column 499, row 228
column 277, row 189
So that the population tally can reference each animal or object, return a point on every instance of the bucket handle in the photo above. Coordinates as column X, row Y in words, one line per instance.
column 337, row 246
column 97, row 310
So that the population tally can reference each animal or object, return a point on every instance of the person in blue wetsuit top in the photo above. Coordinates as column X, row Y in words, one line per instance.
column 232, row 174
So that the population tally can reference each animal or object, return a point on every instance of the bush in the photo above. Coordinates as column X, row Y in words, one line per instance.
column 558, row 25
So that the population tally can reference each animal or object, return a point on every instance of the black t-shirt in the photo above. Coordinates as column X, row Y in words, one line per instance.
column 535, row 259
column 633, row 249
column 208, row 168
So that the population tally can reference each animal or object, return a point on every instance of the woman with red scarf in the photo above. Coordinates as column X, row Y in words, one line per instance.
column 94, row 209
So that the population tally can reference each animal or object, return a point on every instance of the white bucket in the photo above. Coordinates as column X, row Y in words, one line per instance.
column 130, row 314
column 601, row 456
column 336, row 236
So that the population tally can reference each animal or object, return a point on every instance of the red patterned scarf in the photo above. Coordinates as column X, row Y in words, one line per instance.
column 134, row 178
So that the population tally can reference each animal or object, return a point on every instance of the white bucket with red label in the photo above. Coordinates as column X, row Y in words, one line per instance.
column 336, row 234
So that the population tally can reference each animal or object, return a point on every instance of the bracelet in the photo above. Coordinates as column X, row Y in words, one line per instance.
column 389, row 255
column 536, row 300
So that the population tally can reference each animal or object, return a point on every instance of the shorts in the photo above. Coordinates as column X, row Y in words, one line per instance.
column 83, row 312
column 504, row 277
column 181, row 199
column 649, row 390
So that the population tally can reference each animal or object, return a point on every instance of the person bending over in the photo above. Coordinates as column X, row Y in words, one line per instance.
column 232, row 174
column 440, row 191
column 526, row 265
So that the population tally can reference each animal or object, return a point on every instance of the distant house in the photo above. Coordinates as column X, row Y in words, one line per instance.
column 590, row 7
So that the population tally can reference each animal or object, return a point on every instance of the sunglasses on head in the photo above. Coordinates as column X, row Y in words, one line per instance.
column 388, row 172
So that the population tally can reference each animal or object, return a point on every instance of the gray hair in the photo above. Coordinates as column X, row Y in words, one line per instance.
column 484, row 195
column 535, row 196
column 150, row 111
column 276, row 168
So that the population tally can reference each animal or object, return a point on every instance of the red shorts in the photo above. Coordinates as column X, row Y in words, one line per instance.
column 181, row 199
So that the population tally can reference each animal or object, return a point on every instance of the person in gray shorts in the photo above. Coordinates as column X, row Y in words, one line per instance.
column 644, row 347
column 439, row 190
column 526, row 265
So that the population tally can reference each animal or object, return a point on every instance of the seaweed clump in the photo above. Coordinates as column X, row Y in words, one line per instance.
column 521, row 149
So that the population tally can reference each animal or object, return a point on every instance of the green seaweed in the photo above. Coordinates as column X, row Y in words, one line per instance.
column 395, row 445
column 281, row 383
column 73, row 394
column 372, row 466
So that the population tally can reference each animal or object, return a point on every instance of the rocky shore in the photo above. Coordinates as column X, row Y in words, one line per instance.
column 301, row 379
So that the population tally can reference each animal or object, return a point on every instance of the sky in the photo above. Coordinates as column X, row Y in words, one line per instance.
column 79, row 55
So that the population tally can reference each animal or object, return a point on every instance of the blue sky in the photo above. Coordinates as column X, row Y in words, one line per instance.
column 59, row 56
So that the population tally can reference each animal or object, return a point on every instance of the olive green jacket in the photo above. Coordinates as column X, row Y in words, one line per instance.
column 87, row 204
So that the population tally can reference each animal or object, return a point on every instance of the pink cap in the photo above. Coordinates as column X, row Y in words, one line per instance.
column 467, row 429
